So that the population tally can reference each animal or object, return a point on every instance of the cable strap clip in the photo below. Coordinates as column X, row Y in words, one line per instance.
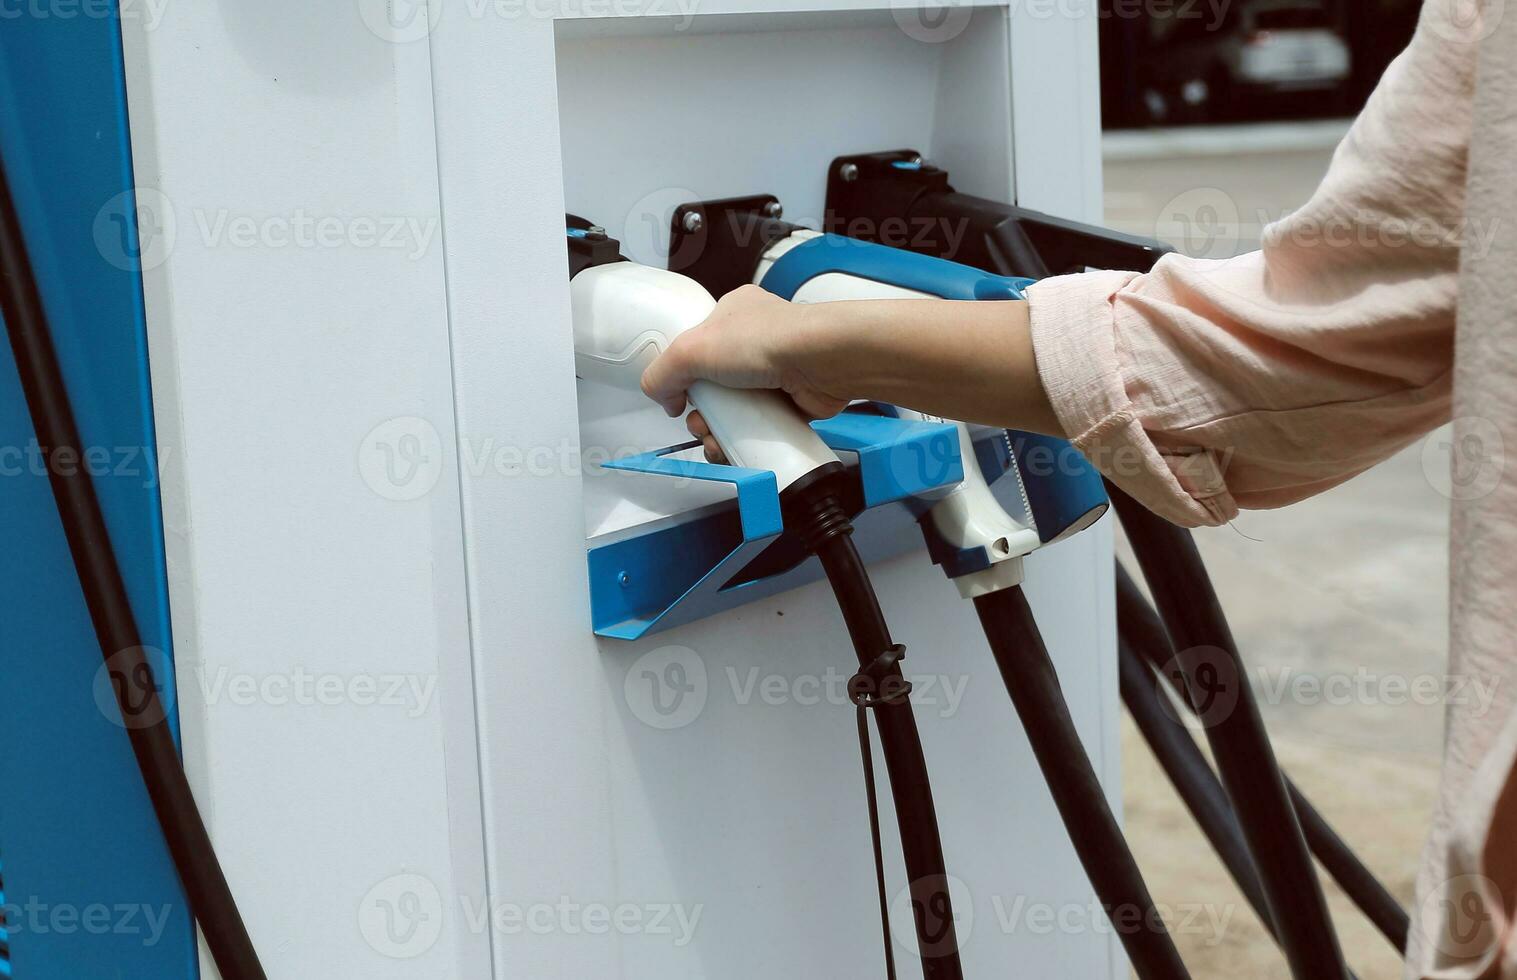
column 878, row 682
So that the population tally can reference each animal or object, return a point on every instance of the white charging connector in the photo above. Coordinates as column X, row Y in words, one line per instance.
column 626, row 315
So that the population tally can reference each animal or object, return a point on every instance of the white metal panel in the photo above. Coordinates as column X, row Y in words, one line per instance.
column 542, row 691
column 298, row 331
column 1056, row 107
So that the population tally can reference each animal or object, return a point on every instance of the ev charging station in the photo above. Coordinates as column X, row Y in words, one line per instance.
column 382, row 488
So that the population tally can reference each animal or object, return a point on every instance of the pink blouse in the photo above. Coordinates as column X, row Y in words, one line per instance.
column 1209, row 385
column 1212, row 384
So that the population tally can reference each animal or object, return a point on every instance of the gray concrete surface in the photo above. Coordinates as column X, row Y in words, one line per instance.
column 1339, row 603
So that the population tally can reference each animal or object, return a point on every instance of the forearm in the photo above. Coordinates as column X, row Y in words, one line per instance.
column 971, row 361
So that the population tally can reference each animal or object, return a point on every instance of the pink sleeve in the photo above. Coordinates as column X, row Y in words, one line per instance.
column 1212, row 384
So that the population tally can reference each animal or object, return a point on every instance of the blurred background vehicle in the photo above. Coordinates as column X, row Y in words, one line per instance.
column 1181, row 62
column 1257, row 50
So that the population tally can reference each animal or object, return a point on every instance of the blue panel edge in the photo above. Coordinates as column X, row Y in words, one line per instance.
column 77, row 831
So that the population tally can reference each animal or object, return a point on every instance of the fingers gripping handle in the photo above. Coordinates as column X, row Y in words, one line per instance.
column 761, row 429
column 626, row 314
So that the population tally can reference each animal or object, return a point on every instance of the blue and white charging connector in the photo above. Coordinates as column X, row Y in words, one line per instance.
column 981, row 547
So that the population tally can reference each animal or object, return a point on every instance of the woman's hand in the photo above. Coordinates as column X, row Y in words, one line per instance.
column 970, row 361
column 753, row 339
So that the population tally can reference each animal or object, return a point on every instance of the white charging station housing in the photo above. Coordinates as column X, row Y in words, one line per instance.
column 378, row 465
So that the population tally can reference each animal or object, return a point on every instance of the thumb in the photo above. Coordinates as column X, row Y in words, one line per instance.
column 817, row 404
column 666, row 379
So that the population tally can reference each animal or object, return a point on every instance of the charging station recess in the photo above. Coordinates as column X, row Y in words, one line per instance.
column 765, row 103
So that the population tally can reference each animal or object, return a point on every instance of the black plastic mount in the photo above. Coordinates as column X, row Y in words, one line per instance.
column 897, row 198
column 719, row 243
column 593, row 247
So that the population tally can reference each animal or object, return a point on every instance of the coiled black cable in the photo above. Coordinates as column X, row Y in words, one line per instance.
column 1245, row 758
column 210, row 897
column 1033, row 684
column 825, row 531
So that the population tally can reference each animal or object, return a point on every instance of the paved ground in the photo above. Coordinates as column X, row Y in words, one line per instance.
column 1347, row 591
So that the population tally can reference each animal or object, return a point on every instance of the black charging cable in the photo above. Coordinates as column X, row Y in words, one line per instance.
column 875, row 685
column 1013, row 241
column 1207, row 656
column 1033, row 684
column 1143, row 640
column 880, row 689
column 100, row 579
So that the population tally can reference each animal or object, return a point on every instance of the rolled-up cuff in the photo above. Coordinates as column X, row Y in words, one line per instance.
column 1074, row 339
